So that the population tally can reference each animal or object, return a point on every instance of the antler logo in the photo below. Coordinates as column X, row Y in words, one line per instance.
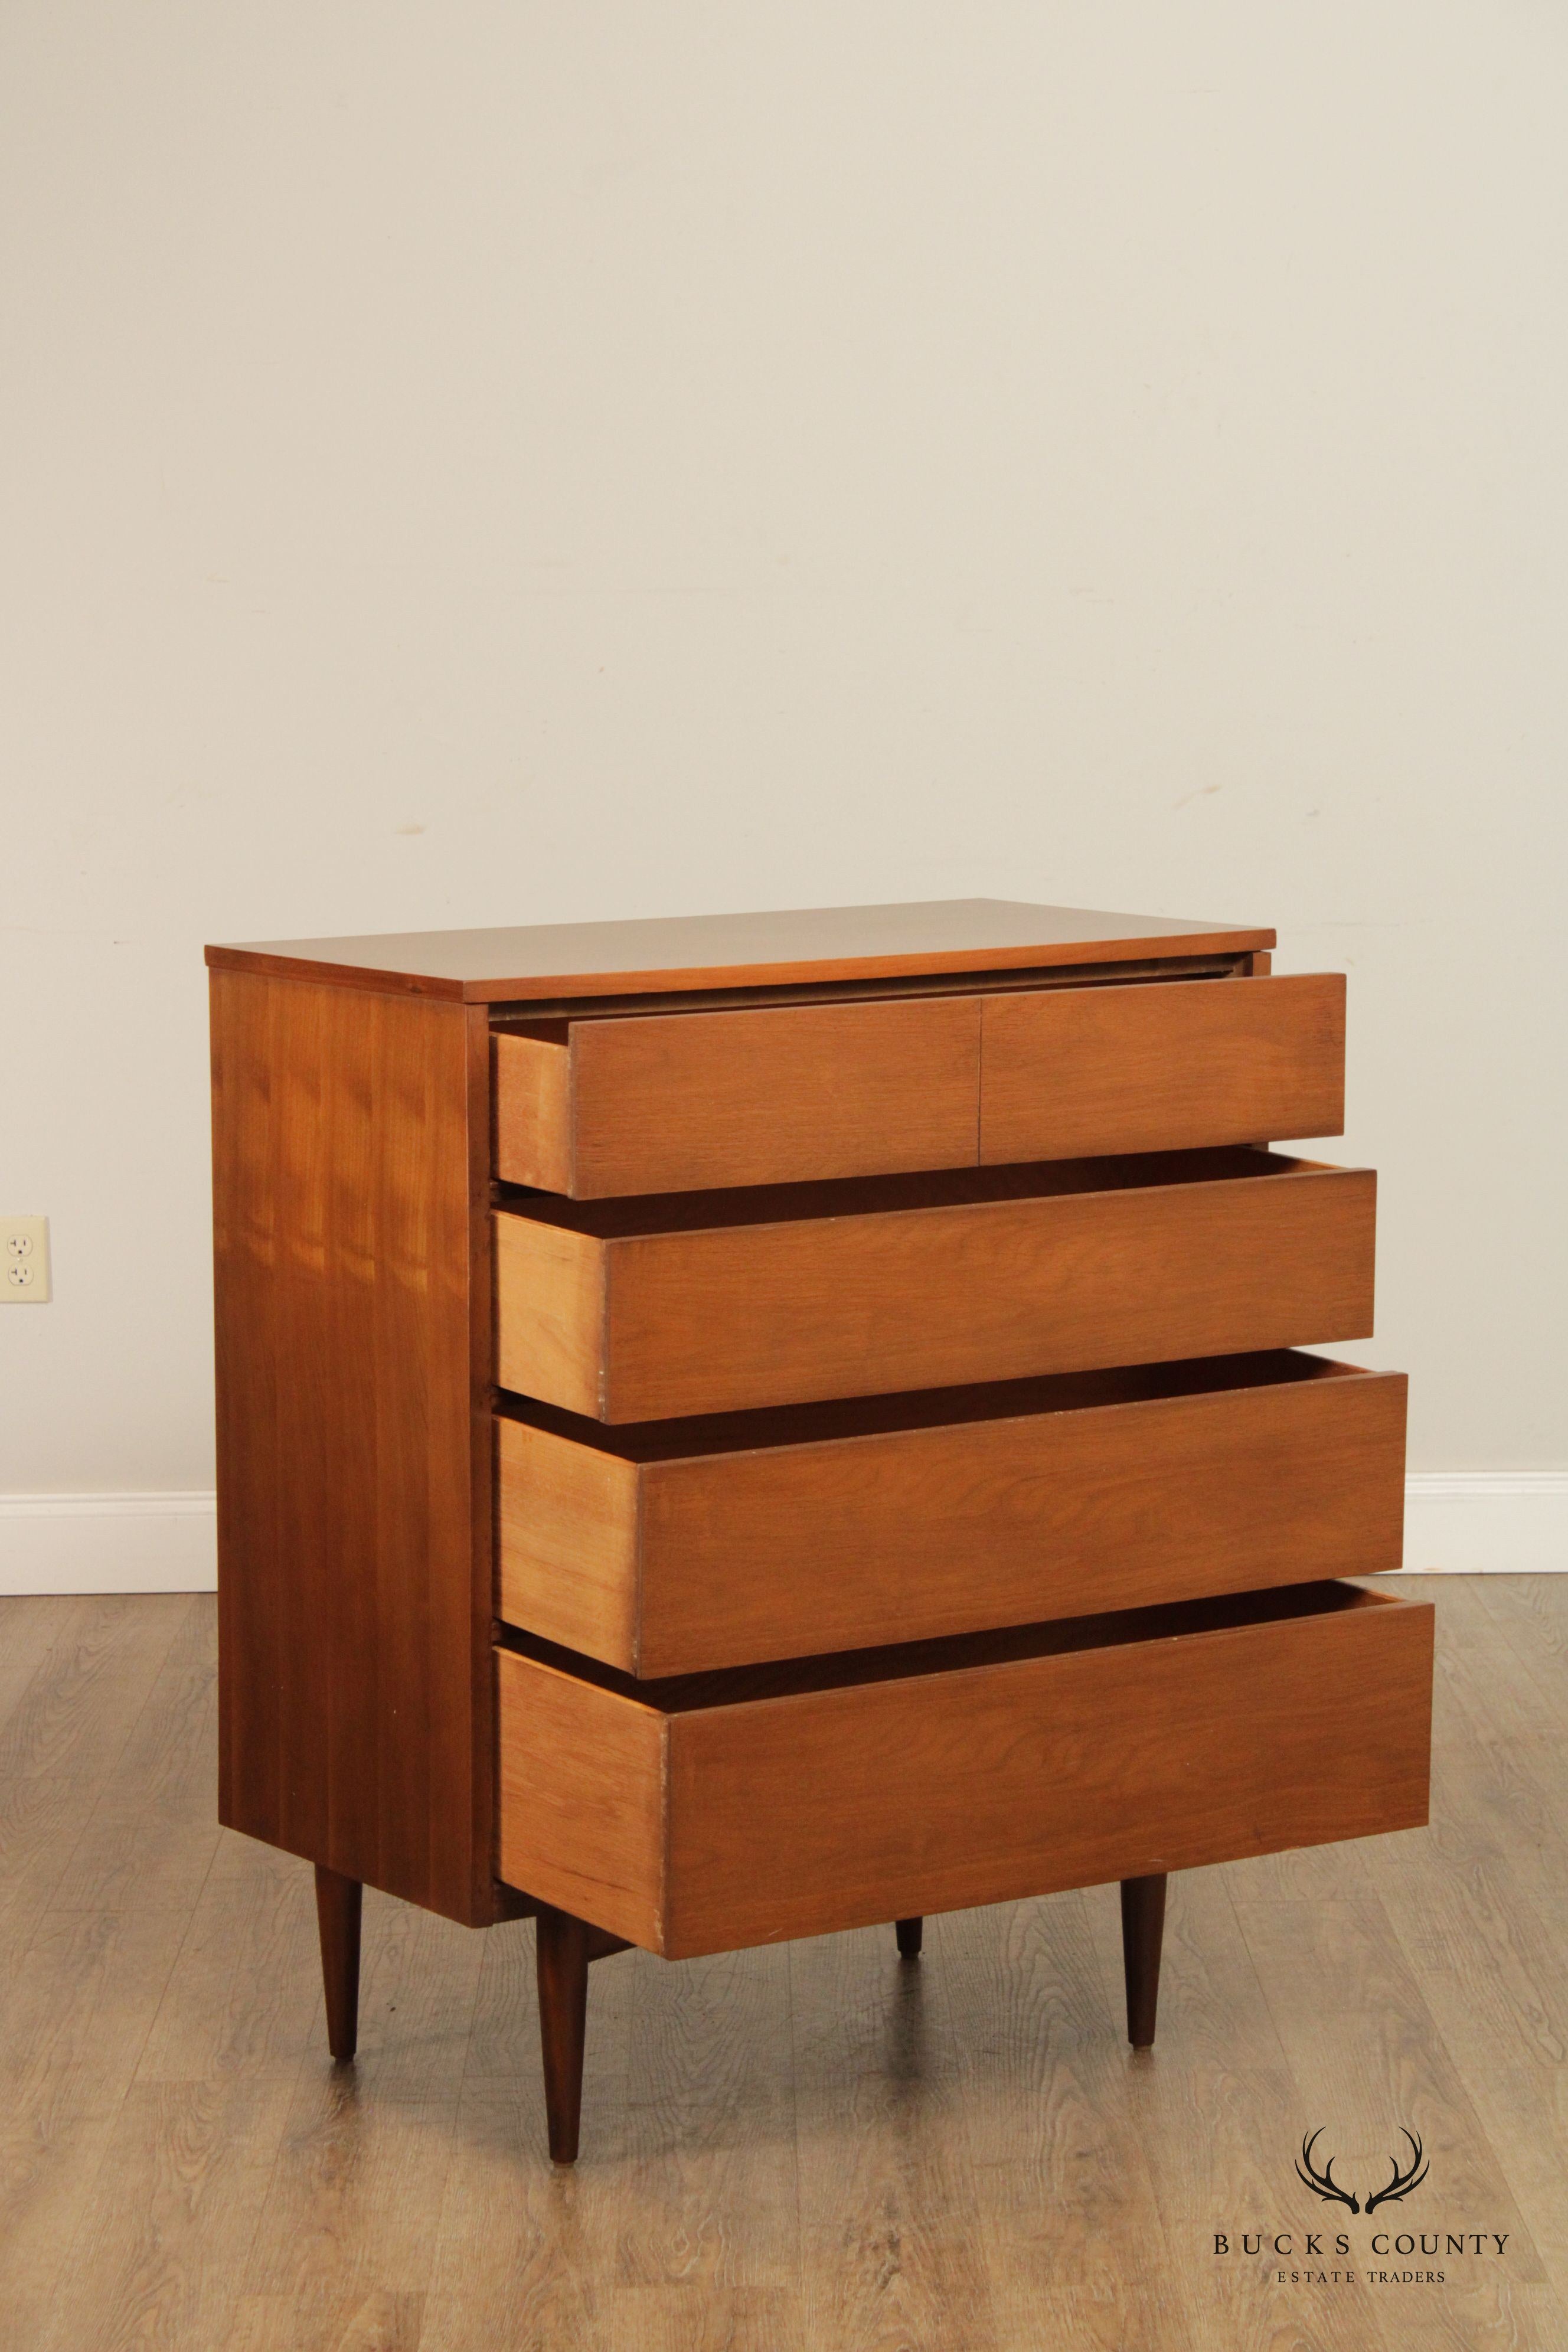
column 1402, row 2182
column 1323, row 2184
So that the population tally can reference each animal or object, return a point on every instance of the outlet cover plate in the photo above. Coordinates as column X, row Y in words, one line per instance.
column 25, row 1261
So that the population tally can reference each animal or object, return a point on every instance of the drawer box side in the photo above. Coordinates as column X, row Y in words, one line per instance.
column 582, row 1799
column 531, row 1078
column 552, row 1287
column 568, row 1555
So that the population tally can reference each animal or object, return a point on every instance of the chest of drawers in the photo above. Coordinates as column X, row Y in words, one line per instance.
column 740, row 1428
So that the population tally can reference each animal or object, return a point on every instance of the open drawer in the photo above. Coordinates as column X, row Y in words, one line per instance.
column 665, row 1547
column 595, row 1106
column 684, row 1303
column 743, row 1807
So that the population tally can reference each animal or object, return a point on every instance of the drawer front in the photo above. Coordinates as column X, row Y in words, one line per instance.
column 599, row 1108
column 677, row 1554
column 726, row 1818
column 709, row 1319
column 695, row 1100
column 1072, row 1072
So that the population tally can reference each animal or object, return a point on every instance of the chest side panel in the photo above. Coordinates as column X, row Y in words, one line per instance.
column 350, row 1137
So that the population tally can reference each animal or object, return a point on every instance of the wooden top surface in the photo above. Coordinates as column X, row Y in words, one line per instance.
column 702, row 951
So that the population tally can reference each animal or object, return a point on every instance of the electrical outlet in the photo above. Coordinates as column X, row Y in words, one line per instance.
column 24, row 1261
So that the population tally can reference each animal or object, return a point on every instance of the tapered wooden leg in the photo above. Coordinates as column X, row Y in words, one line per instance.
column 338, row 1904
column 563, row 1963
column 907, row 1932
column 1142, row 1929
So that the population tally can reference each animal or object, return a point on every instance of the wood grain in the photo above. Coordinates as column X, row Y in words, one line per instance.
column 158, row 2260
column 711, row 2162
column 248, row 2000
column 569, row 1558
column 75, row 2007
column 68, row 1726
column 904, row 1283
column 702, row 1100
column 1162, row 1068
column 807, row 943
column 531, row 1092
column 38, row 1620
column 1115, row 1747
column 351, row 1135
column 552, row 1304
column 1482, row 1927
column 889, row 2195
column 151, row 1836
column 1363, row 2051
column 346, row 2227
column 582, row 1799
column 972, row 2154
column 771, row 1535
column 1055, row 2133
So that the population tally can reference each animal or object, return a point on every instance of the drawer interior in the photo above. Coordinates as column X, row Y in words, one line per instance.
column 860, row 1196
column 765, row 1426
column 787, row 1678
column 547, row 1019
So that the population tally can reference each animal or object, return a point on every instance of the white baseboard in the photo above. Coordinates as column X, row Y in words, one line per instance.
column 1484, row 1522
column 1464, row 1522
column 108, row 1543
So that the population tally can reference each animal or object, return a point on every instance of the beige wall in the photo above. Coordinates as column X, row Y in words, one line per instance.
column 477, row 463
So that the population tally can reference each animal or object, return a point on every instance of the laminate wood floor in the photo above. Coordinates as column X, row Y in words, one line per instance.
column 811, row 2146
